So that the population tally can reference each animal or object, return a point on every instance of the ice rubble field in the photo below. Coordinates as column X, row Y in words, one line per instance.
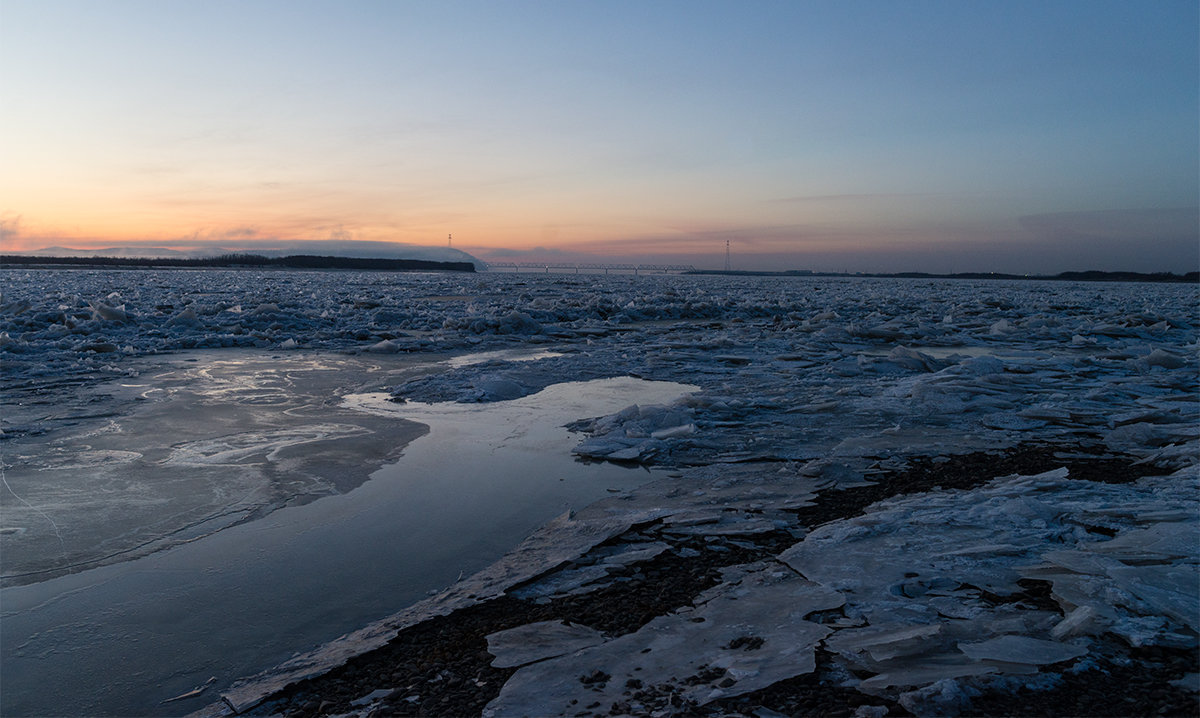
column 791, row 369
column 806, row 385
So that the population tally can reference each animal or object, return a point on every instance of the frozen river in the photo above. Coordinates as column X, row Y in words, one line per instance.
column 225, row 598
column 203, row 474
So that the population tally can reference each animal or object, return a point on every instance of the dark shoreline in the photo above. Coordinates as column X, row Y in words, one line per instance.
column 304, row 261
column 441, row 666
column 1088, row 276
column 238, row 261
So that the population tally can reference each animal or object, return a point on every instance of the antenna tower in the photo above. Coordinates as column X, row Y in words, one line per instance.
column 727, row 265
column 449, row 240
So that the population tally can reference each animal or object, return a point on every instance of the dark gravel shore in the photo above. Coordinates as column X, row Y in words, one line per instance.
column 441, row 667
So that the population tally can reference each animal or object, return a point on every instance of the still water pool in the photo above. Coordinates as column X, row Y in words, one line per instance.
column 241, row 596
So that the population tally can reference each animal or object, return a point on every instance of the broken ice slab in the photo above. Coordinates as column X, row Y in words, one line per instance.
column 618, row 448
column 905, row 563
column 628, row 554
column 1021, row 649
column 729, row 525
column 717, row 496
column 635, row 432
column 915, row 360
column 817, row 407
column 924, row 439
column 1081, row 621
column 1081, row 561
column 1046, row 413
column 565, row 582
column 1163, row 580
column 1165, row 590
column 835, row 473
column 1153, row 415
column 902, row 674
column 1158, row 543
column 587, row 577
column 674, row 432
column 538, row 641
column 1011, row 422
column 913, row 542
column 1072, row 590
column 495, row 388
column 1144, row 436
column 955, row 607
column 695, row 517
column 630, row 453
column 1179, row 455
column 989, row 549
column 1007, row 618
column 873, row 644
column 717, row 489
column 744, row 636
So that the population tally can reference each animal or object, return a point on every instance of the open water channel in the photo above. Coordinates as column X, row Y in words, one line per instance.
column 238, row 508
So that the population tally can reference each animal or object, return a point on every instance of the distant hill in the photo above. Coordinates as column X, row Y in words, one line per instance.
column 149, row 252
column 295, row 261
column 315, row 248
column 1096, row 276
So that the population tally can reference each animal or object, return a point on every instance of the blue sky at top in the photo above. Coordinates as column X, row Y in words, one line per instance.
column 1006, row 136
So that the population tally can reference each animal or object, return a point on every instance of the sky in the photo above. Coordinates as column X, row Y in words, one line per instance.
column 955, row 135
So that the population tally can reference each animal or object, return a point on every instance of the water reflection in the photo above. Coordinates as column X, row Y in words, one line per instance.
column 247, row 597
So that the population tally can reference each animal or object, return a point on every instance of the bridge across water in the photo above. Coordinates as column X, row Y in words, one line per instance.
column 577, row 267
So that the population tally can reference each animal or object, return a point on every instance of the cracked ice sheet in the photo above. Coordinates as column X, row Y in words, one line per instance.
column 539, row 641
column 1021, row 649
column 187, row 449
column 580, row 579
column 1142, row 584
column 1075, row 353
column 726, row 500
column 564, row 539
column 729, row 487
column 700, row 655
column 911, row 566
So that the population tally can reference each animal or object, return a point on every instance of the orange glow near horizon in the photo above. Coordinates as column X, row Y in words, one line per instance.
column 901, row 142
column 111, row 232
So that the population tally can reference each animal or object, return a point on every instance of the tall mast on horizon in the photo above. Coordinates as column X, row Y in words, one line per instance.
column 727, row 265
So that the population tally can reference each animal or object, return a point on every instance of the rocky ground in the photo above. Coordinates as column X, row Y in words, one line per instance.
column 442, row 666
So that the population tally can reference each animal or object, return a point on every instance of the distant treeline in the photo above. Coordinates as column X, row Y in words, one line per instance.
column 295, row 261
column 1089, row 276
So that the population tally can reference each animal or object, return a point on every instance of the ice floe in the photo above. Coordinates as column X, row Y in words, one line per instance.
column 744, row 635
column 634, row 433
column 538, row 641
column 930, row 590
column 929, row 574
